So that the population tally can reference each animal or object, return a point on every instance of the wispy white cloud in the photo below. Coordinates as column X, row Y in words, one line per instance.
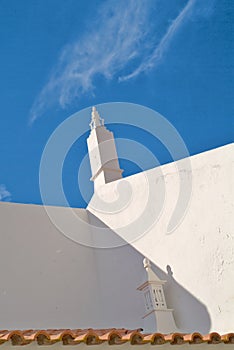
column 113, row 39
column 126, row 39
column 159, row 50
column 5, row 195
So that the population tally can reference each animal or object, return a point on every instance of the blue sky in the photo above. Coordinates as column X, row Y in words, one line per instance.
column 60, row 56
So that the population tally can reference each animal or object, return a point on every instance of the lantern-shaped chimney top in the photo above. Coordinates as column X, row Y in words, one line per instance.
column 96, row 119
column 158, row 317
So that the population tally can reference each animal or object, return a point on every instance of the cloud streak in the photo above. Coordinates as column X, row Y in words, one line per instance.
column 123, row 42
column 5, row 195
column 159, row 50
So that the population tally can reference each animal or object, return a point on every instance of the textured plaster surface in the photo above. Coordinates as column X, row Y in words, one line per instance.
column 49, row 281
column 197, row 258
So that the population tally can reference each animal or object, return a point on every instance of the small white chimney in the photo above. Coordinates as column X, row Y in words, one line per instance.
column 158, row 318
column 102, row 152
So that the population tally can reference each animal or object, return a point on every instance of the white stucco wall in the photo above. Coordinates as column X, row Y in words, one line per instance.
column 50, row 281
column 197, row 258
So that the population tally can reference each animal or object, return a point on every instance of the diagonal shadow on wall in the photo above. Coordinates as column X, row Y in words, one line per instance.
column 190, row 313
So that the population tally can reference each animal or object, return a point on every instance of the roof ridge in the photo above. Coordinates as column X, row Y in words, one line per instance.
column 110, row 335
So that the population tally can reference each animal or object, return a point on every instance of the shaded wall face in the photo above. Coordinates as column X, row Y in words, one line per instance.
column 197, row 257
column 49, row 281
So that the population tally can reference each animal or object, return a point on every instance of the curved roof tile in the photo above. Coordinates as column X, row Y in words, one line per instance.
column 111, row 336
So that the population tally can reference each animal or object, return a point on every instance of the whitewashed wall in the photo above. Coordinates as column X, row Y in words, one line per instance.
column 49, row 281
column 197, row 258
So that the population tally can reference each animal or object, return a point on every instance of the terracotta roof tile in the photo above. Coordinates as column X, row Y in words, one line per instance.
column 155, row 338
column 212, row 338
column 193, row 338
column 112, row 336
column 135, row 337
column 174, row 338
column 228, row 338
